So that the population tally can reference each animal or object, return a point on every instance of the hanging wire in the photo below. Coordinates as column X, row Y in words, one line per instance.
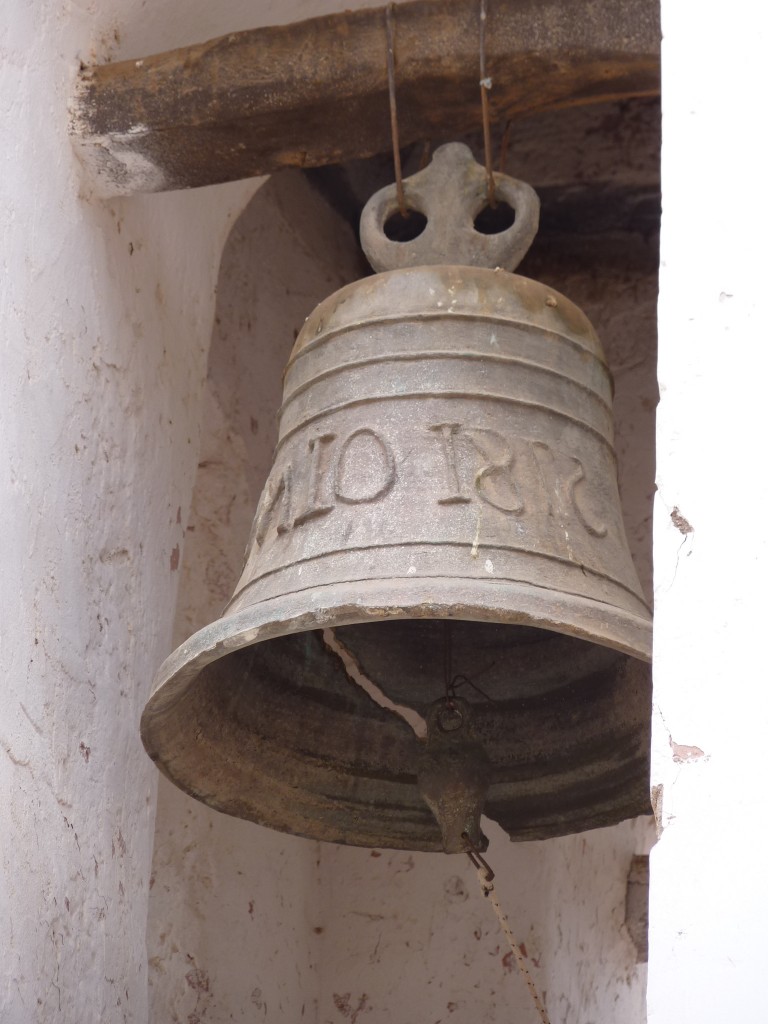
column 485, row 87
column 454, row 681
column 462, row 680
column 404, row 211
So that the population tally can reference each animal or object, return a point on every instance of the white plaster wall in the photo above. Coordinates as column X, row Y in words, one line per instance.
column 410, row 937
column 106, row 316
column 708, row 891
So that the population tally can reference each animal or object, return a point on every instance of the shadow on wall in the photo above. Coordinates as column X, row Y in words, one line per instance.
column 286, row 253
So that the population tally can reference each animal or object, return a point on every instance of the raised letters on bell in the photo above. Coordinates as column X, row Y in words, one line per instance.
column 514, row 476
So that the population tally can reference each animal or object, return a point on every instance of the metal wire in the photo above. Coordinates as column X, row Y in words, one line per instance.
column 389, row 17
column 485, row 87
column 478, row 861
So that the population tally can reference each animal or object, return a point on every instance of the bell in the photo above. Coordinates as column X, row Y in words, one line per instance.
column 440, row 532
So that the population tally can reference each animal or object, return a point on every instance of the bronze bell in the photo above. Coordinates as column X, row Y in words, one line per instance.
column 443, row 519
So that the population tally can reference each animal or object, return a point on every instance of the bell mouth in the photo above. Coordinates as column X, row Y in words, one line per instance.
column 257, row 717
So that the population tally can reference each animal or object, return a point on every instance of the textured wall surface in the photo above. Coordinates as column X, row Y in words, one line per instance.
column 707, row 934
column 107, row 314
column 410, row 937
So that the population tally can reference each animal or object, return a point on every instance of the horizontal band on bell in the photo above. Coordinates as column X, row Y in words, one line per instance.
column 426, row 357
column 483, row 397
column 595, row 586
column 311, row 346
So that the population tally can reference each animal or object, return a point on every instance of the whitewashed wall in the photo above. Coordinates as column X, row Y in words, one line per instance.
column 708, row 889
column 409, row 937
column 106, row 318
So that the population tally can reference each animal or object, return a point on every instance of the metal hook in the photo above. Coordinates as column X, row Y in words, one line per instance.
column 393, row 110
column 476, row 857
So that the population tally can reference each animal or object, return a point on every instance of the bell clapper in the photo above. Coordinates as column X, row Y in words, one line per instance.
column 476, row 858
column 453, row 780
column 454, row 775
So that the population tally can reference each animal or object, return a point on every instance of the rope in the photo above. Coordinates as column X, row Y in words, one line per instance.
column 490, row 892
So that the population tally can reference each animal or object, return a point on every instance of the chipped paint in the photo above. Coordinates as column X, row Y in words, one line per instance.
column 683, row 754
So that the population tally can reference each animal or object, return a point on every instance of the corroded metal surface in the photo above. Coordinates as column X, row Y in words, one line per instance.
column 445, row 454
column 454, row 774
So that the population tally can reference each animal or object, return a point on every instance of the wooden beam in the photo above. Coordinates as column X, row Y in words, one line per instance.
column 315, row 92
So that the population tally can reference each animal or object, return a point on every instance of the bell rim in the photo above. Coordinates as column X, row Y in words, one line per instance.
column 330, row 606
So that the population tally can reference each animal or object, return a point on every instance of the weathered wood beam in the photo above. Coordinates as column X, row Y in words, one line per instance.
column 315, row 92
